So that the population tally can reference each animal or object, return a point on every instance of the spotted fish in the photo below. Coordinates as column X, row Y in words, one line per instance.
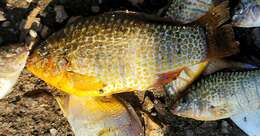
column 221, row 95
column 117, row 52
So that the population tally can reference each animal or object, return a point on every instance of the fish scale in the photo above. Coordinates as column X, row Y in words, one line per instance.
column 187, row 11
column 221, row 95
column 117, row 52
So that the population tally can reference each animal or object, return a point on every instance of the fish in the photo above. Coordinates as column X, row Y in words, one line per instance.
column 118, row 52
column 187, row 11
column 100, row 116
column 221, row 95
column 176, row 88
column 12, row 62
column 247, row 14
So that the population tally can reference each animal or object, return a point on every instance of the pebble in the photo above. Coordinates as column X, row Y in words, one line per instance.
column 2, row 17
column 6, row 24
column 53, row 132
column 189, row 133
column 61, row 14
column 95, row 9
column 224, row 127
column 29, row 1
column 44, row 32
column 33, row 33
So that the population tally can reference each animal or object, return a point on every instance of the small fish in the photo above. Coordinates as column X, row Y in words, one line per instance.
column 221, row 95
column 117, row 52
column 187, row 11
column 247, row 14
column 12, row 62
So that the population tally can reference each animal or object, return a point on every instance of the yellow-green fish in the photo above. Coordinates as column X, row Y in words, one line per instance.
column 221, row 95
column 117, row 52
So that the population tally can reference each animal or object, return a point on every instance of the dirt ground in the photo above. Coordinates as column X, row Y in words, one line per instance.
column 31, row 108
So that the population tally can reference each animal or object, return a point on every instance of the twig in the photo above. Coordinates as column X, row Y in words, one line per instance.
column 37, row 10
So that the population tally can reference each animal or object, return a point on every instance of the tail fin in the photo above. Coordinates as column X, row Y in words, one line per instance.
column 99, row 116
column 221, row 39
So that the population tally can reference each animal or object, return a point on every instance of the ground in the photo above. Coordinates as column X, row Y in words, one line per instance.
column 31, row 108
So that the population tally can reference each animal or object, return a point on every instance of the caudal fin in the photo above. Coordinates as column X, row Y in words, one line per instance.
column 222, row 42
column 221, row 37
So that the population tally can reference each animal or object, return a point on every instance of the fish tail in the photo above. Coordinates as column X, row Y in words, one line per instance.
column 221, row 42
column 220, row 36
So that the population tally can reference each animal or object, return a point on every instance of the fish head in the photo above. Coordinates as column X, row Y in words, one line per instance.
column 56, row 69
column 247, row 14
column 202, row 109
column 12, row 61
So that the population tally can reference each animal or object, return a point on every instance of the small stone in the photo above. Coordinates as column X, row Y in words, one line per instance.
column 95, row 9
column 2, row 17
column 53, row 132
column 29, row 1
column 33, row 33
column 224, row 127
column 6, row 24
column 189, row 133
column 61, row 14
column 153, row 114
column 44, row 32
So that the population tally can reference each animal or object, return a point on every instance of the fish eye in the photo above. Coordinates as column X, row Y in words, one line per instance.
column 101, row 91
column 239, row 9
column 256, row 9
